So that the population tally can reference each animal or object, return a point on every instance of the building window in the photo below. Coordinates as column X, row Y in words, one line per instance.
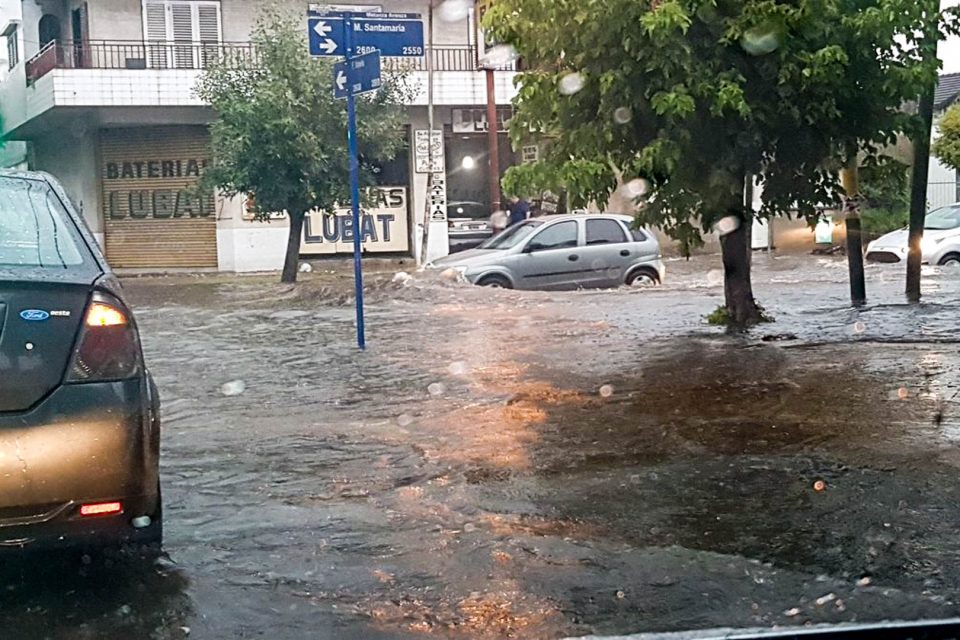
column 13, row 46
column 181, row 34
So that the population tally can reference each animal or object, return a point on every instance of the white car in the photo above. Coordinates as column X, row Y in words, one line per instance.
column 562, row 252
column 940, row 245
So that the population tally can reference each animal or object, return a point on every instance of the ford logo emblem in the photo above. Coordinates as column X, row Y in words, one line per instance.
column 34, row 315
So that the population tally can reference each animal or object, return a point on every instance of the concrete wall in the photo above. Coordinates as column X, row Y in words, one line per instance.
column 77, row 170
column 115, row 20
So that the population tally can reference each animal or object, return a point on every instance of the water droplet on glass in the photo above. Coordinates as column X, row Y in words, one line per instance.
column 469, row 527
column 903, row 393
column 404, row 419
column 606, row 391
column 233, row 388
column 859, row 327
column 305, row 267
column 571, row 83
column 727, row 224
column 864, row 581
column 621, row 595
column 436, row 388
column 715, row 276
column 819, row 485
column 622, row 115
column 457, row 368
column 792, row 612
column 454, row 10
column 761, row 40
column 500, row 55
column 636, row 188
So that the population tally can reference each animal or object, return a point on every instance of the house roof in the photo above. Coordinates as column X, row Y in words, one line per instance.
column 948, row 88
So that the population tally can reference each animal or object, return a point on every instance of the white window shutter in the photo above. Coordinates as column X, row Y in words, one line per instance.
column 208, row 20
column 181, row 22
column 155, row 26
column 208, row 27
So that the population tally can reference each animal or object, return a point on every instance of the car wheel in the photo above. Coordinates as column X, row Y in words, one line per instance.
column 950, row 260
column 497, row 282
column 643, row 278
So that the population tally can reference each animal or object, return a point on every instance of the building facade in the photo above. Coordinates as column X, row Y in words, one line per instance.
column 101, row 93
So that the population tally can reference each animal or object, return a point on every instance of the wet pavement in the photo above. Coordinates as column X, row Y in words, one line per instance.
column 533, row 464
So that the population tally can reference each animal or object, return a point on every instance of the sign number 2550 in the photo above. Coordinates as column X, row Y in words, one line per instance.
column 413, row 51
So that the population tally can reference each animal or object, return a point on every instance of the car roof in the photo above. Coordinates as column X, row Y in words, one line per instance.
column 574, row 216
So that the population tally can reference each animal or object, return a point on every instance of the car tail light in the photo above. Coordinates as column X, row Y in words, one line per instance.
column 101, row 509
column 108, row 348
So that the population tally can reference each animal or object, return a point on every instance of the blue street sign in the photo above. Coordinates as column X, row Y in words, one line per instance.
column 357, row 75
column 395, row 35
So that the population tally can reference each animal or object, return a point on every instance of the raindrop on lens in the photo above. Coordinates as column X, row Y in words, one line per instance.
column 404, row 419
column 606, row 391
column 622, row 115
column 760, row 40
column 819, row 485
column 457, row 368
column 454, row 10
column 903, row 393
column 636, row 188
column 714, row 276
column 500, row 55
column 233, row 388
column 571, row 83
column 859, row 327
column 727, row 224
column 436, row 388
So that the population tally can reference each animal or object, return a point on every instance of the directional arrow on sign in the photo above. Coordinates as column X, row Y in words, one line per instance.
column 322, row 28
column 328, row 46
column 341, row 80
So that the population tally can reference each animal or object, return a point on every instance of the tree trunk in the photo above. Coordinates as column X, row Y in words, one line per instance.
column 742, row 310
column 292, row 258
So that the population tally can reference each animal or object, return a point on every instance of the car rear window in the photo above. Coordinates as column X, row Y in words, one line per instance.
column 605, row 231
column 35, row 229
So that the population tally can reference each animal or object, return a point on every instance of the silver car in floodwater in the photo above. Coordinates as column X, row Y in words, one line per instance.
column 563, row 252
column 940, row 245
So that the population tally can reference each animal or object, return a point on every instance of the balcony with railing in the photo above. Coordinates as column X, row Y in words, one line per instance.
column 198, row 55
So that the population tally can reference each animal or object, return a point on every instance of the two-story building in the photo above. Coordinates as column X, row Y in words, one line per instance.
column 102, row 93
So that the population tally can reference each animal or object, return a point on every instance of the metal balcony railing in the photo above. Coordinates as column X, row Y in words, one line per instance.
column 104, row 54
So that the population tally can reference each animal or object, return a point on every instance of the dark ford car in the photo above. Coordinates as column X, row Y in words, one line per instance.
column 79, row 421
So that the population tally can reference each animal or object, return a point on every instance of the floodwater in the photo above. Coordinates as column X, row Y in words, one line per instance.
column 532, row 464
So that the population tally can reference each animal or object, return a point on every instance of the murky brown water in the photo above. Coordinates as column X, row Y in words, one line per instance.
column 531, row 464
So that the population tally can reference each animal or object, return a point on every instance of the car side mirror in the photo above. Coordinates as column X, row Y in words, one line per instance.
column 531, row 247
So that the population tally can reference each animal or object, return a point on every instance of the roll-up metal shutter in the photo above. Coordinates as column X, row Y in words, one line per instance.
column 151, row 219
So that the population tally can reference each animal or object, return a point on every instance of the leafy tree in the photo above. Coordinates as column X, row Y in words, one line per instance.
column 695, row 97
column 947, row 146
column 280, row 136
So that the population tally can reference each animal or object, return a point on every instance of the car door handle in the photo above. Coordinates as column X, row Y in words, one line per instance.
column 573, row 258
column 624, row 253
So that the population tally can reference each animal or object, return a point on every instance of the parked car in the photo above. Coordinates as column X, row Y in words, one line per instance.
column 468, row 225
column 940, row 245
column 79, row 413
column 562, row 252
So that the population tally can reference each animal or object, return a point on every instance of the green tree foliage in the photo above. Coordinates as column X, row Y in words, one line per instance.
column 280, row 136
column 947, row 145
column 886, row 187
column 695, row 96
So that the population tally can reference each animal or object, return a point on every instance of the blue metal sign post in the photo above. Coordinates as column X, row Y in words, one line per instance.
column 354, row 186
column 361, row 38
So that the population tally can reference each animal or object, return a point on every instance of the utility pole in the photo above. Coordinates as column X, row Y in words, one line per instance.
column 426, row 213
column 493, row 144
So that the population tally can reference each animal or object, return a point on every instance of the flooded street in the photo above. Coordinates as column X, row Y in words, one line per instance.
column 533, row 464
